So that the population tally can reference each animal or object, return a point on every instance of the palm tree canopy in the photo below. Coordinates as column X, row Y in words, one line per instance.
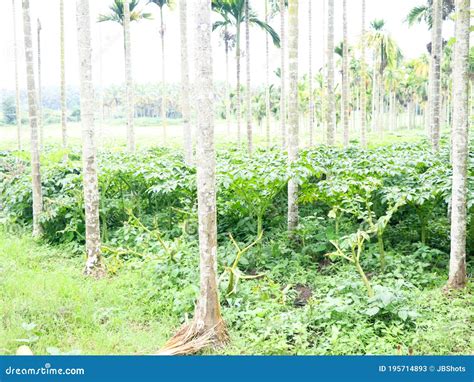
column 162, row 3
column 385, row 46
column 424, row 13
column 233, row 14
column 117, row 12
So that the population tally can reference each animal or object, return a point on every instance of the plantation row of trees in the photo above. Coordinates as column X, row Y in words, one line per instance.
column 396, row 89
column 207, row 326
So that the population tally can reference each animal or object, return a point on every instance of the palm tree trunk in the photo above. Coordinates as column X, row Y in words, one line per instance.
column 207, row 321
column 188, row 144
column 460, row 151
column 227, row 85
column 330, row 115
column 17, row 83
column 363, row 84
column 33, row 116
column 94, row 266
column 435, row 72
column 380, row 100
column 63, row 77
column 310, row 72
column 345, row 75
column 283, row 74
column 128, row 77
column 323, row 107
column 239, row 101
column 40, row 96
column 163, row 78
column 248, row 90
column 267, row 79
column 293, row 112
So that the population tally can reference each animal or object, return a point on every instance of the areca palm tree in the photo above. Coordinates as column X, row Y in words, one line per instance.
column 293, row 113
column 94, row 265
column 433, row 13
column 17, row 83
column 233, row 15
column 124, row 12
column 460, row 150
column 117, row 12
column 386, row 53
column 207, row 327
column 33, row 116
column 185, row 106
column 161, row 4
column 424, row 12
column 331, row 101
column 363, row 82
column 345, row 75
column 63, row 77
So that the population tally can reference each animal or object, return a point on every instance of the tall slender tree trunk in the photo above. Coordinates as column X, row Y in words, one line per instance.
column 94, row 266
column 331, row 103
column 207, row 327
column 283, row 73
column 392, row 115
column 63, row 77
column 381, row 107
column 227, row 84
column 310, row 72
column 239, row 101
column 460, row 150
column 185, row 107
column 248, row 93
column 435, row 72
column 293, row 111
column 33, row 116
column 411, row 114
column 128, row 77
column 17, row 83
column 164, row 100
column 267, row 79
column 40, row 88
column 363, row 83
column 323, row 67
column 345, row 75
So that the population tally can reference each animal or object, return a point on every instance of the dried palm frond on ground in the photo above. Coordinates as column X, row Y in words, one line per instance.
column 193, row 337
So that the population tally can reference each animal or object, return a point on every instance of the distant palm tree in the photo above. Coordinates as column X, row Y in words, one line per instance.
column 331, row 107
column 233, row 15
column 293, row 112
column 40, row 86
column 17, row 83
column 363, row 82
column 185, row 106
column 345, row 75
column 433, row 13
column 161, row 4
column 117, row 12
column 63, row 77
column 386, row 53
column 124, row 12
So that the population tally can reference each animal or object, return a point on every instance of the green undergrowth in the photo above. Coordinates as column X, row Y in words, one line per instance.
column 296, row 307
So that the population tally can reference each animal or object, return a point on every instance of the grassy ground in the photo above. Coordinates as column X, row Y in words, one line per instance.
column 47, row 304
column 150, row 133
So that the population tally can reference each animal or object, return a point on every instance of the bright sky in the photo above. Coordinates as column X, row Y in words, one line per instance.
column 146, row 46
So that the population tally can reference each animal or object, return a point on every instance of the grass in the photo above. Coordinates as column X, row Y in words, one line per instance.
column 43, row 286
column 47, row 304
column 149, row 133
